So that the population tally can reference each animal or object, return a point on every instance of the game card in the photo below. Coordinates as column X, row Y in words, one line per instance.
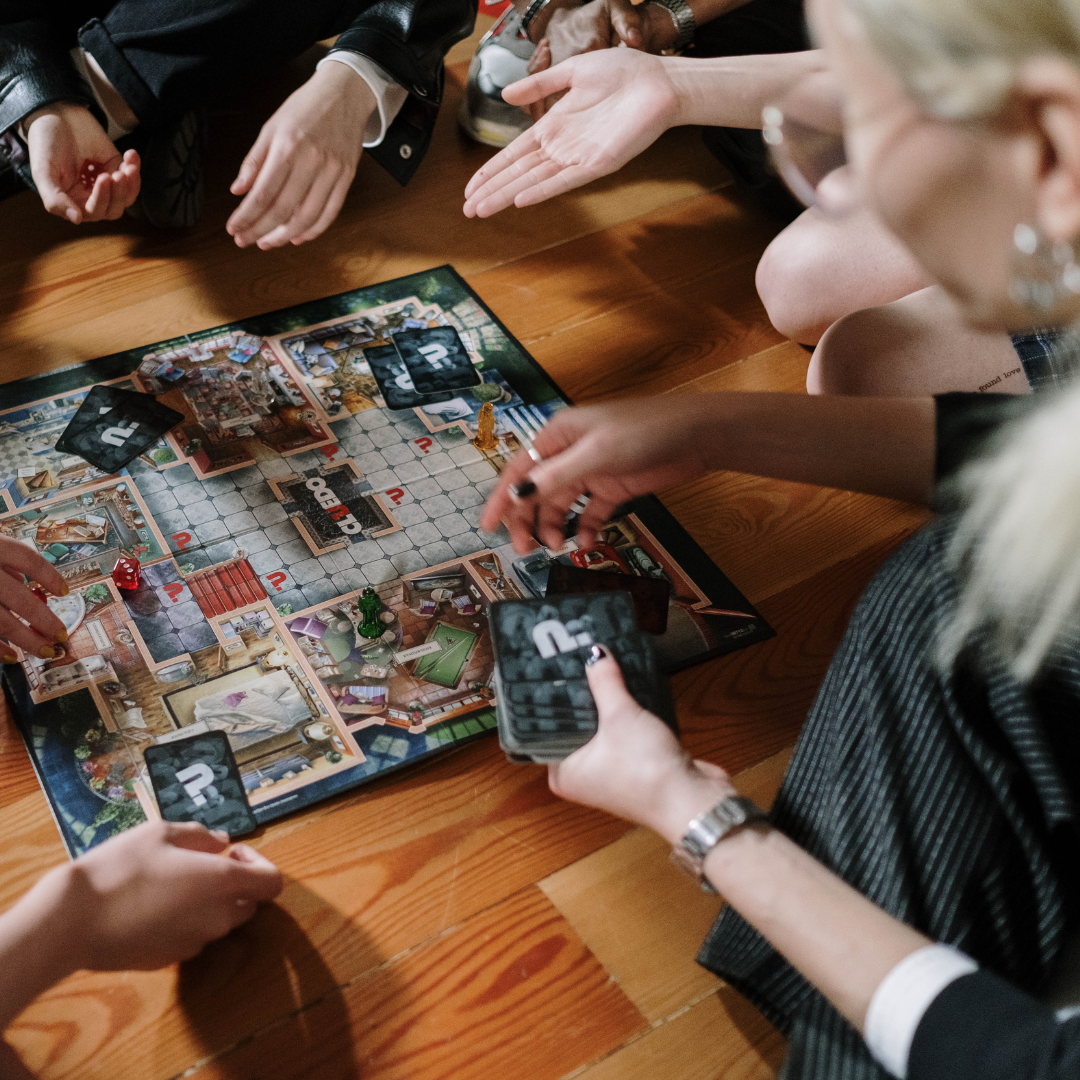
column 436, row 360
column 650, row 595
column 395, row 382
column 113, row 426
column 196, row 779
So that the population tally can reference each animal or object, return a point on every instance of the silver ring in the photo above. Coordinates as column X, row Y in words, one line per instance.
column 534, row 454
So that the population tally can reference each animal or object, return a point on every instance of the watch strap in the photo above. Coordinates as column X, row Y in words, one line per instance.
column 532, row 9
column 683, row 18
column 708, row 829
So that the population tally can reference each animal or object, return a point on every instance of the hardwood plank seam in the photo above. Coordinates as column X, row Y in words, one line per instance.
column 658, row 1023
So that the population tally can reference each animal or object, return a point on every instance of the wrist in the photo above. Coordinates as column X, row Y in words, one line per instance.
column 682, row 794
column 56, row 108
column 538, row 26
column 339, row 79
column 660, row 31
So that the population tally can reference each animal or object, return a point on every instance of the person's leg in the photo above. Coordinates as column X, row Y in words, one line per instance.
column 916, row 345
column 820, row 269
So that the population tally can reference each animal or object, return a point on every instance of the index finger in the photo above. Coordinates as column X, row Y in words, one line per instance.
column 525, row 143
column 30, row 563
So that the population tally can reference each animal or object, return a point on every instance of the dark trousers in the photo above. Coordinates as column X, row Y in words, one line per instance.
column 168, row 56
column 760, row 27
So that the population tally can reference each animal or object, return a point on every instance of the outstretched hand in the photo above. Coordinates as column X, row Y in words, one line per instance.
column 615, row 103
column 60, row 139
column 614, row 452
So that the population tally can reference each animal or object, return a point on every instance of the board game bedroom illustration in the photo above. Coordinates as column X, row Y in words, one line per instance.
column 270, row 532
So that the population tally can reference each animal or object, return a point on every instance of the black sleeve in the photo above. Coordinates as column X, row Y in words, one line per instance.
column 35, row 70
column 408, row 39
column 982, row 1028
column 966, row 427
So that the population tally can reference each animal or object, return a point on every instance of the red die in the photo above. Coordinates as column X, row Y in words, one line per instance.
column 89, row 173
column 126, row 573
column 39, row 592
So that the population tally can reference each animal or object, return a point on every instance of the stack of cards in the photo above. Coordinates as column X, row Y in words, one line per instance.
column 113, row 426
column 544, row 706
column 422, row 366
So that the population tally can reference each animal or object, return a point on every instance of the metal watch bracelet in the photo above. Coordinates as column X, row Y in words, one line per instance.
column 683, row 18
column 532, row 9
column 708, row 829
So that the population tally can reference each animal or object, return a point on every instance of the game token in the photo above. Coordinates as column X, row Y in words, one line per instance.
column 89, row 172
column 486, row 439
column 127, row 573
column 371, row 608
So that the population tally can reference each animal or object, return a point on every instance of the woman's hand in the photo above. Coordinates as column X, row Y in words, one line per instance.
column 616, row 103
column 60, row 139
column 18, row 603
column 296, row 176
column 158, row 893
column 614, row 452
column 634, row 767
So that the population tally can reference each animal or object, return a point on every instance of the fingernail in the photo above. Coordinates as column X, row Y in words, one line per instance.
column 523, row 490
column 9, row 658
column 46, row 652
column 60, row 637
column 221, row 835
column 65, row 588
column 596, row 654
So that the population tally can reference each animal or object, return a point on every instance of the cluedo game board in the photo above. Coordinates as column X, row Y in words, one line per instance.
column 308, row 577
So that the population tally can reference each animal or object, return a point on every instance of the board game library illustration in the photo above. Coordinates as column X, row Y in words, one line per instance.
column 279, row 587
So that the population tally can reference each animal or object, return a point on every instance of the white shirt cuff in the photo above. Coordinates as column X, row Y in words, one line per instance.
column 901, row 1000
column 389, row 96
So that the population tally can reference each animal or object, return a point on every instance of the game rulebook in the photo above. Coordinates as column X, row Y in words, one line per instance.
column 306, row 586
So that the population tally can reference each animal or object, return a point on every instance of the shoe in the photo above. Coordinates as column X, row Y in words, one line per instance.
column 501, row 58
column 171, row 195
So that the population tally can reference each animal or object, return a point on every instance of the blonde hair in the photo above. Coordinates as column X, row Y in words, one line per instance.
column 958, row 58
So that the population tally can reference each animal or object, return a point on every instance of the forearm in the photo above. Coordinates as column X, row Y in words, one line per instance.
column 35, row 945
column 731, row 91
column 880, row 446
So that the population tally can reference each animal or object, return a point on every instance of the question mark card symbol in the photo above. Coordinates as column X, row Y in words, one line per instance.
column 196, row 778
column 395, row 382
column 436, row 359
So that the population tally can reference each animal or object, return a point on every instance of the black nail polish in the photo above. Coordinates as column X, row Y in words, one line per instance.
column 596, row 654
column 523, row 490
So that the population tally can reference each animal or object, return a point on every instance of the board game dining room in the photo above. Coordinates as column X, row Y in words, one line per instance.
column 541, row 538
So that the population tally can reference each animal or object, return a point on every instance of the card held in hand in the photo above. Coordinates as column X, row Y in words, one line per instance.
column 395, row 382
column 543, row 703
column 197, row 779
column 436, row 359
column 113, row 426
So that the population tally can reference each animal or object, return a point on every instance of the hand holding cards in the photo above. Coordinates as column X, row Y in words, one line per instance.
column 544, row 706
column 113, row 426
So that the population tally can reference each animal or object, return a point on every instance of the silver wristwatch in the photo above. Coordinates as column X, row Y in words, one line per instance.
column 683, row 18
column 708, row 829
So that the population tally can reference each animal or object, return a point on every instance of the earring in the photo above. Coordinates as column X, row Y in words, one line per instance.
column 1044, row 272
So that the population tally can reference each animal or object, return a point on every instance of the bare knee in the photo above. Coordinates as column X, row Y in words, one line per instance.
column 850, row 357
column 788, row 280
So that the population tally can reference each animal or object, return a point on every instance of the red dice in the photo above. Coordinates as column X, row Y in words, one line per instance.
column 126, row 572
column 89, row 173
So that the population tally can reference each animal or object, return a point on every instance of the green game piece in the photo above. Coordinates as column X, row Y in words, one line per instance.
column 371, row 606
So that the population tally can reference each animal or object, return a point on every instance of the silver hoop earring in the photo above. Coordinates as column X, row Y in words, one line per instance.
column 1044, row 272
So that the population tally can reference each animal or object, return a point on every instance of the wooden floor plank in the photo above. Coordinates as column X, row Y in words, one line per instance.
column 513, row 989
column 721, row 1036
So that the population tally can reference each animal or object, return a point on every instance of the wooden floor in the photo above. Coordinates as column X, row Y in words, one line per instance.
column 461, row 921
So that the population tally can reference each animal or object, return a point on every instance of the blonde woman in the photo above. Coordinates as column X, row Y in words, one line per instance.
column 907, row 906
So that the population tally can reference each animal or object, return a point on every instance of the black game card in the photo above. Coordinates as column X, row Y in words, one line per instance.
column 650, row 595
column 436, row 359
column 196, row 779
column 395, row 382
column 113, row 426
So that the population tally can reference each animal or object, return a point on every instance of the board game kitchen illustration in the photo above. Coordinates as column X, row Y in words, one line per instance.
column 278, row 542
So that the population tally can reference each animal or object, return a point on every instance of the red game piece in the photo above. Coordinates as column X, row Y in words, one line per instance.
column 89, row 172
column 39, row 592
column 126, row 572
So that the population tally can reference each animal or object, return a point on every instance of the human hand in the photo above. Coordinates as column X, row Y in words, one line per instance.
column 614, row 452
column 296, row 176
column 619, row 101
column 634, row 767
column 60, row 138
column 156, row 894
column 18, row 603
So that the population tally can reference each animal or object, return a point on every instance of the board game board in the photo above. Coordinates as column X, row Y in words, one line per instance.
column 246, row 617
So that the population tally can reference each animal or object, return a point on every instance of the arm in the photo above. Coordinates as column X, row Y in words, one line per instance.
column 975, row 1028
column 882, row 446
column 616, row 103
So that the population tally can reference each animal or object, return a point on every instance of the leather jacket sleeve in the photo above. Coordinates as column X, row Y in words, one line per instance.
column 408, row 40
column 35, row 71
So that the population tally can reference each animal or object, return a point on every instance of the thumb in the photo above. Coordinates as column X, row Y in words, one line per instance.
column 192, row 836
column 626, row 22
column 255, row 877
column 540, row 85
column 607, row 685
